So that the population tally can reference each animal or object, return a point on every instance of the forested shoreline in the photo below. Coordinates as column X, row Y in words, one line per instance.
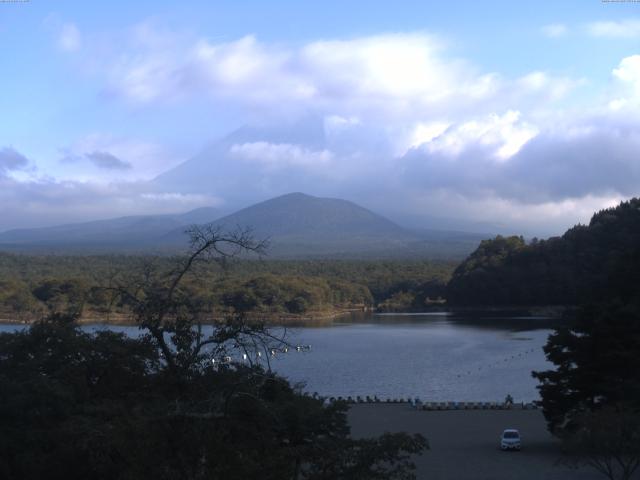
column 34, row 285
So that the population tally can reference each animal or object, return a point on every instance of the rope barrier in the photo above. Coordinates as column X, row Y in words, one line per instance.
column 228, row 359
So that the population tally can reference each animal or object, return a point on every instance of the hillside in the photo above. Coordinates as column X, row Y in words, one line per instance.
column 589, row 262
column 299, row 225
column 296, row 225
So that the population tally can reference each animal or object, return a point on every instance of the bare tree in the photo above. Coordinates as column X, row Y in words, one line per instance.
column 174, row 318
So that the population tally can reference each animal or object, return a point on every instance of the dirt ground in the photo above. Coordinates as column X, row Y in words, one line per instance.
column 465, row 443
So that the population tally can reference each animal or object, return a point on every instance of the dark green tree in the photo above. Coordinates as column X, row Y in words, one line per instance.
column 592, row 399
column 597, row 361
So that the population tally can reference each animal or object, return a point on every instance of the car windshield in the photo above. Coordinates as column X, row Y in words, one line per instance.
column 510, row 435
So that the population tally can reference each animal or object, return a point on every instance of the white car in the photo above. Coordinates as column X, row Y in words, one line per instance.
column 510, row 439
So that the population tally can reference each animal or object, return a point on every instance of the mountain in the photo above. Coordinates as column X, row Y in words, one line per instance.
column 299, row 225
column 589, row 262
column 296, row 225
column 131, row 232
column 218, row 169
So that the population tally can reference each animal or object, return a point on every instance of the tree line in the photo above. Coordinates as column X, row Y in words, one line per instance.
column 588, row 261
column 33, row 285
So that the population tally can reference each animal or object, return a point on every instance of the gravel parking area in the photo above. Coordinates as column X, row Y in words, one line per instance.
column 465, row 443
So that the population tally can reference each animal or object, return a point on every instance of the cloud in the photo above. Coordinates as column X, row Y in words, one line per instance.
column 399, row 123
column 390, row 76
column 45, row 201
column 555, row 30
column 69, row 38
column 504, row 135
column 66, row 35
column 99, row 157
column 629, row 28
column 107, row 161
column 628, row 72
column 281, row 155
column 11, row 159
column 545, row 86
column 597, row 158
column 627, row 94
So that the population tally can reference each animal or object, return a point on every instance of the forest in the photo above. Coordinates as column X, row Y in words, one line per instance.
column 33, row 285
column 589, row 262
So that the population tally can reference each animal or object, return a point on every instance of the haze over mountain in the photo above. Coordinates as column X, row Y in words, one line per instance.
column 297, row 225
column 234, row 166
column 111, row 234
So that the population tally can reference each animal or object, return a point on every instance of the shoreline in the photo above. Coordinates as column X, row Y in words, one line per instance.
column 323, row 318
column 122, row 319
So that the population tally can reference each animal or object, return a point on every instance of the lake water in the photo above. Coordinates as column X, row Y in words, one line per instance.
column 437, row 357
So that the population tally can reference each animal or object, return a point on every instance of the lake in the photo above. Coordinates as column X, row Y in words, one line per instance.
column 433, row 356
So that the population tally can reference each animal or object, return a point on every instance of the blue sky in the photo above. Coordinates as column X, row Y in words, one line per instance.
column 450, row 106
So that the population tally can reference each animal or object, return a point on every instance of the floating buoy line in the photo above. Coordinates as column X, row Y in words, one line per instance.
column 244, row 358
column 500, row 361
column 415, row 402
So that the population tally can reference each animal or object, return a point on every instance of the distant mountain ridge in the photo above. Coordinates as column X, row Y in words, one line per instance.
column 297, row 226
column 118, row 232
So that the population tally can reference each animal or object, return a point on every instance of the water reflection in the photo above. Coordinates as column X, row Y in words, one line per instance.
column 512, row 320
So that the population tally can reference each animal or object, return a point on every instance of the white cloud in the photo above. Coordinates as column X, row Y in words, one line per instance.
column 281, row 155
column 627, row 75
column 547, row 86
column 69, row 38
column 499, row 215
column 615, row 29
column 555, row 30
column 183, row 200
column 399, row 76
column 336, row 123
column 427, row 132
column 41, row 201
column 628, row 72
column 503, row 135
column 382, row 93
column 597, row 158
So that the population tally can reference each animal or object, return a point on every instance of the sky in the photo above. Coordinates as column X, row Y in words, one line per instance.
column 505, row 116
